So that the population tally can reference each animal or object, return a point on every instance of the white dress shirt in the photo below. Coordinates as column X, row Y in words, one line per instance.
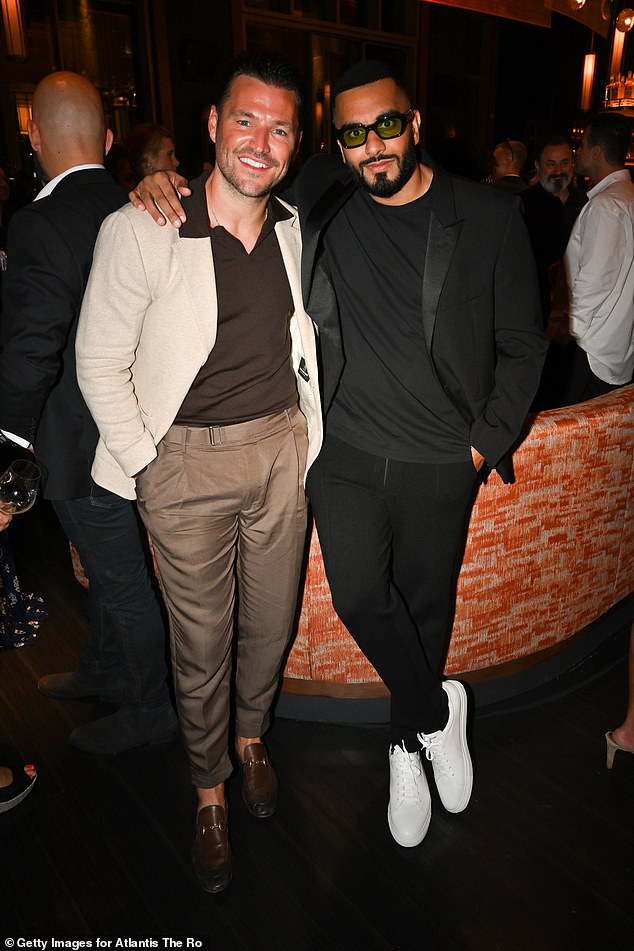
column 52, row 184
column 599, row 264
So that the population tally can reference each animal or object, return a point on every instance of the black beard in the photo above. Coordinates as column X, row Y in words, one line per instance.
column 384, row 187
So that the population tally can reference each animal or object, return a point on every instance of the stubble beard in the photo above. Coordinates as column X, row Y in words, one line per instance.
column 243, row 188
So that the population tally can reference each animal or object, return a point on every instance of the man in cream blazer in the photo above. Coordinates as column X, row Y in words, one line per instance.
column 198, row 363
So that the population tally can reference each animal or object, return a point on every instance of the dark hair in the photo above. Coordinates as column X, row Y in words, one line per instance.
column 554, row 139
column 365, row 72
column 270, row 68
column 612, row 132
column 143, row 140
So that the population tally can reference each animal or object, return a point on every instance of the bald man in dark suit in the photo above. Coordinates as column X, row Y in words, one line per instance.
column 50, row 251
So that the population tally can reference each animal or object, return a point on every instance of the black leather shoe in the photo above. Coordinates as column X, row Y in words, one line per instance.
column 125, row 730
column 259, row 782
column 76, row 686
column 211, row 852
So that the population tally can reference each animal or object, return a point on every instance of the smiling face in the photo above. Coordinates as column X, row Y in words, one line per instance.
column 256, row 135
column 555, row 167
column 385, row 167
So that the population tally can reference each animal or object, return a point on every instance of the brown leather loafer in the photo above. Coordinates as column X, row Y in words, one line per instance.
column 211, row 851
column 259, row 782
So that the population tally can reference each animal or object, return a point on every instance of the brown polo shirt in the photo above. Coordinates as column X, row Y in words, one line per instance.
column 248, row 374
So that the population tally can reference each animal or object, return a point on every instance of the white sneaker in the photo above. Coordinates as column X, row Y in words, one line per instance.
column 449, row 754
column 409, row 808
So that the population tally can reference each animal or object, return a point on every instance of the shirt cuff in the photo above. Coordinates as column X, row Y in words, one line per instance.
column 18, row 440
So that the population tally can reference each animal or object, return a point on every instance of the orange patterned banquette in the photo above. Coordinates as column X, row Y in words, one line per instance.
column 545, row 556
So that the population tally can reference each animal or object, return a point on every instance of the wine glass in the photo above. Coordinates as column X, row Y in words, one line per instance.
column 18, row 486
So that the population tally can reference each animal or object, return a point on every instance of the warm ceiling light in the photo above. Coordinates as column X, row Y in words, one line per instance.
column 618, row 42
column 576, row 4
column 13, row 29
column 589, row 64
column 24, row 107
column 625, row 20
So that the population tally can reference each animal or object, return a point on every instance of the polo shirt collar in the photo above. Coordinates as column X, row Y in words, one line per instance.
column 195, row 205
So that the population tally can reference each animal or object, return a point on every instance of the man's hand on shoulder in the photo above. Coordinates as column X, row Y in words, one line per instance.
column 159, row 194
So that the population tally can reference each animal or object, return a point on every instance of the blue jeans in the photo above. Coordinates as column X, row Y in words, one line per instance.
column 127, row 640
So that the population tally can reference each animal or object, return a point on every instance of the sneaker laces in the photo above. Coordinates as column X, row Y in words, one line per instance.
column 405, row 773
column 433, row 744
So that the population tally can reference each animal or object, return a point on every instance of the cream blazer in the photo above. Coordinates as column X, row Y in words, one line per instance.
column 148, row 323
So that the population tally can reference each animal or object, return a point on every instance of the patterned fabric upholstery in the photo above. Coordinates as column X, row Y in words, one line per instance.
column 544, row 557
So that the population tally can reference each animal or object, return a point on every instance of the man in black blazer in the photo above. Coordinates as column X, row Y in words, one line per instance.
column 50, row 251
column 424, row 293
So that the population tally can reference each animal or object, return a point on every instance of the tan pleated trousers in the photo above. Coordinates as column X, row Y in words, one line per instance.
column 226, row 510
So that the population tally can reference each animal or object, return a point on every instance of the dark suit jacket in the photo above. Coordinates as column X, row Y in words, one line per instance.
column 549, row 224
column 480, row 310
column 511, row 183
column 50, row 250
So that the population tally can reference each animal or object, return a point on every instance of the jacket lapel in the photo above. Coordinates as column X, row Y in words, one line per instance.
column 444, row 232
column 196, row 261
column 314, row 222
column 440, row 250
column 289, row 238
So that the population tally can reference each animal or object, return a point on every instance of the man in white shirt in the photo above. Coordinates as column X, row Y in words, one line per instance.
column 599, row 263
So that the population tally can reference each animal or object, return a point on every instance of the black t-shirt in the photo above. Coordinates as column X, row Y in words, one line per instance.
column 389, row 401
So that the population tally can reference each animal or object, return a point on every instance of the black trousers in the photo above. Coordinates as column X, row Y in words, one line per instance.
column 127, row 640
column 392, row 536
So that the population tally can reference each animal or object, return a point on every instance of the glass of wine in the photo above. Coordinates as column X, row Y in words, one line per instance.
column 18, row 486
